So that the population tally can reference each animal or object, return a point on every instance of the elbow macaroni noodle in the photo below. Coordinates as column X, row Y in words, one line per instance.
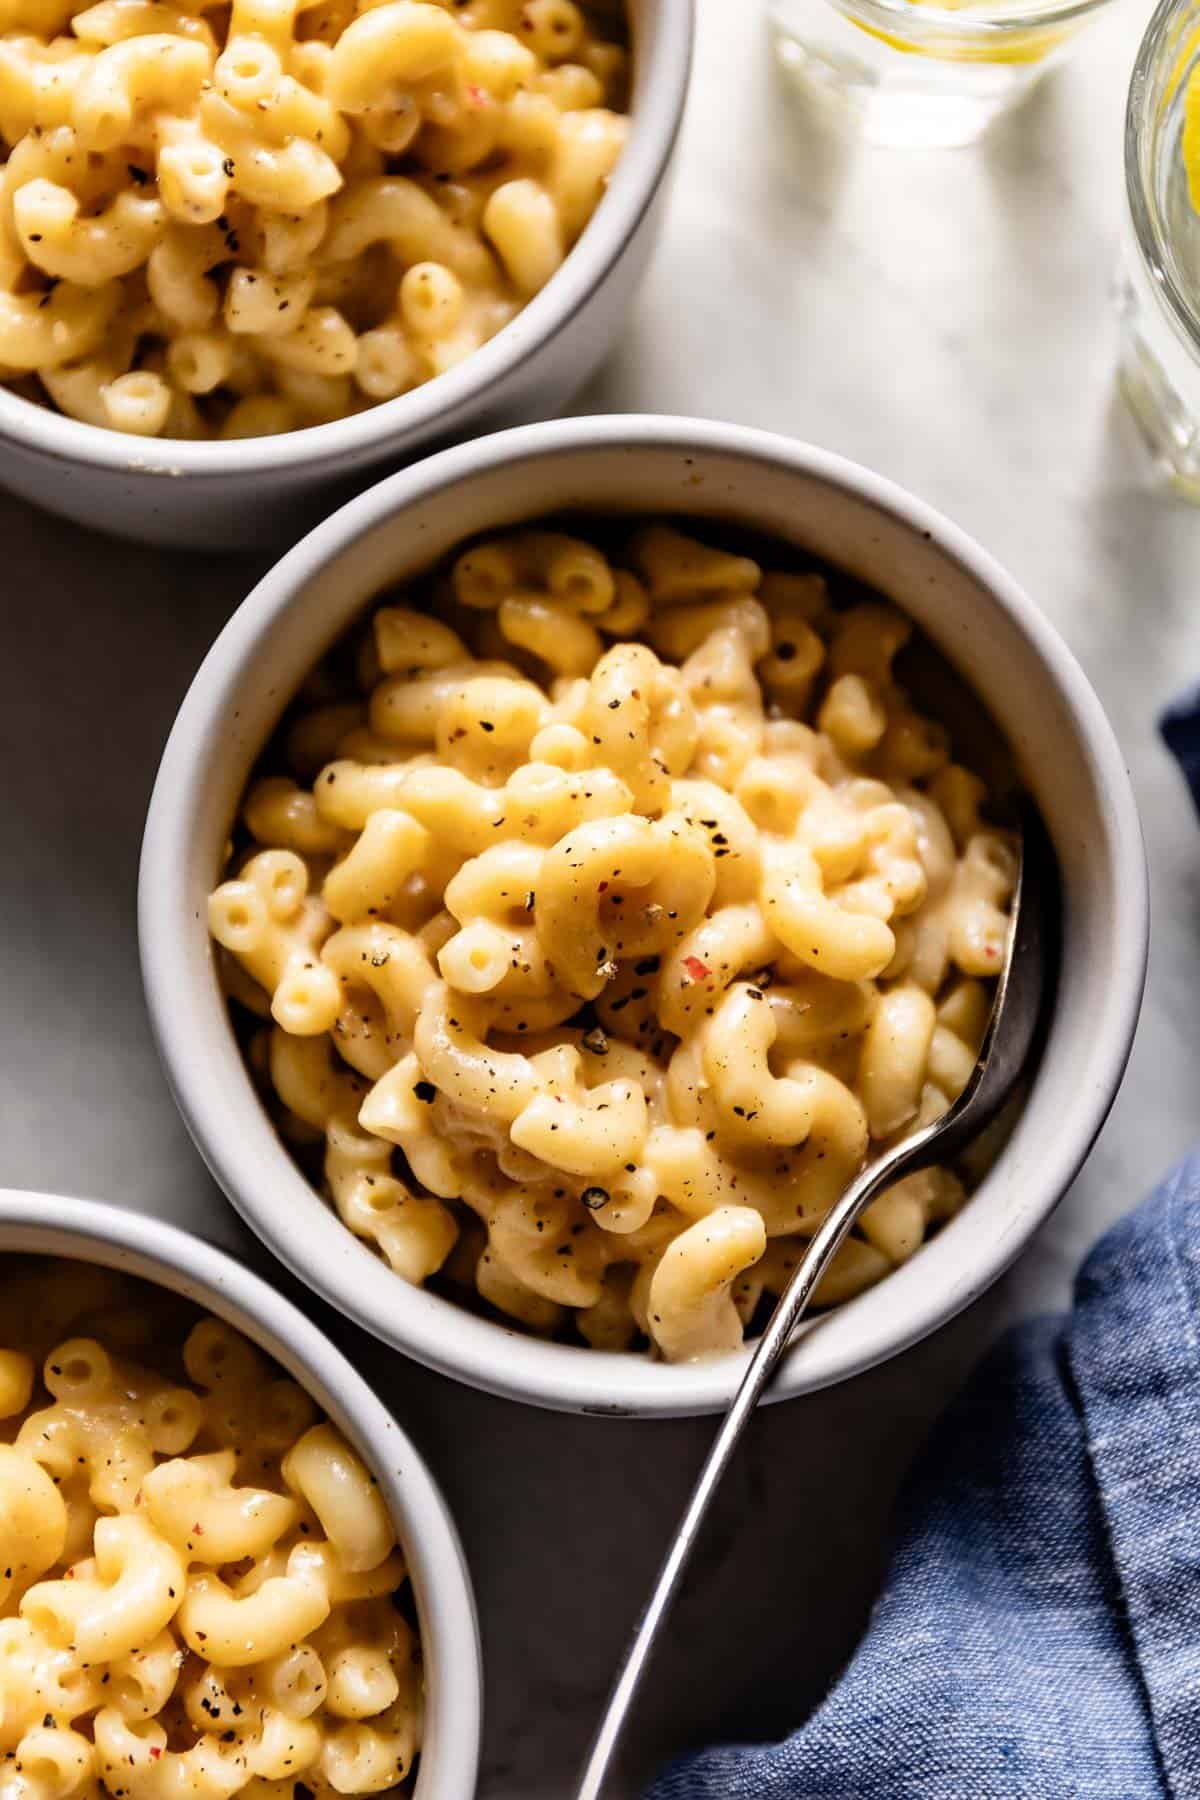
column 197, row 1573
column 225, row 221
column 604, row 921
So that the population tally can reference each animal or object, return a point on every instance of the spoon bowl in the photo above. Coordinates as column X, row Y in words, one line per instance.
column 1017, row 1010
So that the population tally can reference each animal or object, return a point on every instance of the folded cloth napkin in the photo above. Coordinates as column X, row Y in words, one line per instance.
column 1038, row 1637
column 1180, row 726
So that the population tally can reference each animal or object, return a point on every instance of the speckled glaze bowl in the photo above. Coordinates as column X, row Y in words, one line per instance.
column 95, row 1232
column 988, row 629
column 258, row 491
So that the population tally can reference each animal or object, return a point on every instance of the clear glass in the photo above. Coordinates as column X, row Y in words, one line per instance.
column 923, row 75
column 1160, row 284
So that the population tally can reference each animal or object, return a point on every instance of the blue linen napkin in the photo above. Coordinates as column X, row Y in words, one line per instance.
column 1180, row 726
column 1038, row 1637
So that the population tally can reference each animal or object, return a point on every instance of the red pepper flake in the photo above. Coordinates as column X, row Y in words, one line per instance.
column 155, row 1752
column 696, row 969
column 603, row 888
column 197, row 1531
column 476, row 94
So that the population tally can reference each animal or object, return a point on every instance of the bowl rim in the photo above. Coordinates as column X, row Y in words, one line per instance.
column 99, row 1231
column 451, row 1340
column 440, row 403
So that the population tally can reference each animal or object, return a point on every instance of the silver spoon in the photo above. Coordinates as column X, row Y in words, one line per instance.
column 1003, row 1055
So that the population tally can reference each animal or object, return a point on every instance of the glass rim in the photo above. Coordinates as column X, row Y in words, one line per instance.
column 999, row 21
column 1139, row 148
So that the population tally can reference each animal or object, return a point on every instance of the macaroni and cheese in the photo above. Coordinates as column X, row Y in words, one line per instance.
column 197, row 1573
column 233, row 220
column 610, row 909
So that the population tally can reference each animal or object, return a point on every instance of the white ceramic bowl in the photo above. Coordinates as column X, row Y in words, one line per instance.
column 259, row 491
column 985, row 625
column 92, row 1231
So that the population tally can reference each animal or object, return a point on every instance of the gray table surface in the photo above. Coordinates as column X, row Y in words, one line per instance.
column 946, row 317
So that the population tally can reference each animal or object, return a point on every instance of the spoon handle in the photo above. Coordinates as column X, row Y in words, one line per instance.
column 789, row 1309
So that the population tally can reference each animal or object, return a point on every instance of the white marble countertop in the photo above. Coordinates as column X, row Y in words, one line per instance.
column 943, row 316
